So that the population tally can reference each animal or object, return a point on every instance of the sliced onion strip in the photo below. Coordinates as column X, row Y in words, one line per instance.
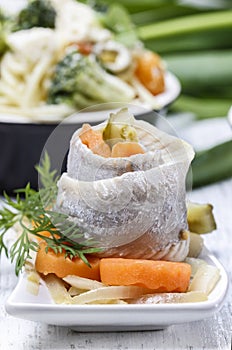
column 109, row 293
column 82, row 283
column 170, row 298
column 57, row 289
column 205, row 279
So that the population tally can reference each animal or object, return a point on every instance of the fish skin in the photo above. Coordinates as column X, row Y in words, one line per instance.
column 160, row 147
column 135, row 214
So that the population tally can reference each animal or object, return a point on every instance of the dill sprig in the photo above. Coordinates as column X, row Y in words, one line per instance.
column 32, row 212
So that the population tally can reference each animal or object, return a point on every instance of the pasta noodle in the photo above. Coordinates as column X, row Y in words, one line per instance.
column 22, row 88
column 45, row 113
column 33, row 89
column 26, row 70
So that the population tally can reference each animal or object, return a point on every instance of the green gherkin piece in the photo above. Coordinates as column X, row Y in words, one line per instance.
column 38, row 13
column 120, row 128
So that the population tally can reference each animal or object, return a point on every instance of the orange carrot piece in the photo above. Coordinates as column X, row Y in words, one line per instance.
column 150, row 72
column 126, row 149
column 90, row 137
column 160, row 276
column 94, row 141
column 102, row 149
column 50, row 262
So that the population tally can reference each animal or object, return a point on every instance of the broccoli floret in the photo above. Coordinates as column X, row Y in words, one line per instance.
column 80, row 81
column 3, row 43
column 118, row 20
column 3, row 25
column 3, row 19
column 38, row 13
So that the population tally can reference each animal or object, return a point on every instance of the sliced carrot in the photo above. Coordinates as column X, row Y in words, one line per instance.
column 126, row 149
column 94, row 141
column 85, row 48
column 102, row 149
column 50, row 262
column 150, row 72
column 90, row 137
column 161, row 276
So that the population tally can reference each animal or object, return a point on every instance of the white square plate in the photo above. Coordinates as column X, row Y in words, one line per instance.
column 122, row 317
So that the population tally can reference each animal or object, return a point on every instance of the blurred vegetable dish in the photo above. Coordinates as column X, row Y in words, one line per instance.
column 61, row 56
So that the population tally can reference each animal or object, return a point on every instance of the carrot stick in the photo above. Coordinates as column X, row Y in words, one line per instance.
column 161, row 276
column 50, row 262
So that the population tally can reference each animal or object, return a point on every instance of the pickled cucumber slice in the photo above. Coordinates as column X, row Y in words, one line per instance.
column 200, row 218
column 120, row 128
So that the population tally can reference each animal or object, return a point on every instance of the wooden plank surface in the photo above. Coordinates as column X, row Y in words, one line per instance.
column 210, row 334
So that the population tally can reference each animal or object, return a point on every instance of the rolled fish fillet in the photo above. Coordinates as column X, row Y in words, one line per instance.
column 133, row 207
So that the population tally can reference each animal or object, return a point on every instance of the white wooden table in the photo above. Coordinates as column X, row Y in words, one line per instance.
column 210, row 334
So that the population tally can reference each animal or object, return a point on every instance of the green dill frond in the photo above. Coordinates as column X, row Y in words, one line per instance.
column 32, row 212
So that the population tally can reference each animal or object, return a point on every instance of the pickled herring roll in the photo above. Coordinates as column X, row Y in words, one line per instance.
column 125, row 188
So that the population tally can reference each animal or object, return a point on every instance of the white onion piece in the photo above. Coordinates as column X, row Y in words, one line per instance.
column 82, row 283
column 195, row 264
column 205, row 279
column 57, row 289
column 122, row 59
column 75, row 291
column 33, row 279
column 171, row 298
column 109, row 293
column 108, row 301
column 196, row 244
